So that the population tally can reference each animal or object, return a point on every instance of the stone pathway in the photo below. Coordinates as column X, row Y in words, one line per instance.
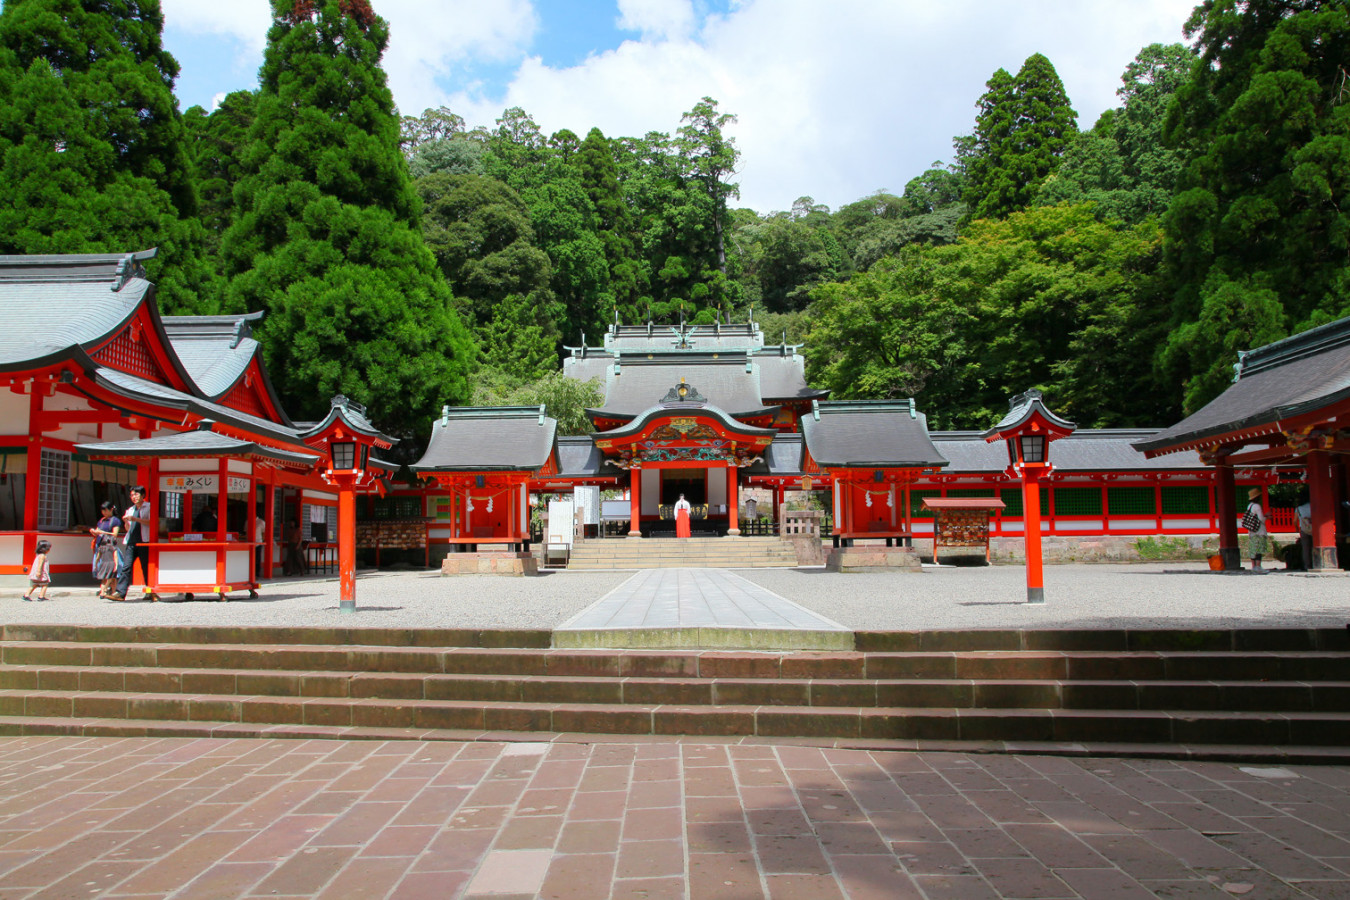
column 181, row 818
column 699, row 608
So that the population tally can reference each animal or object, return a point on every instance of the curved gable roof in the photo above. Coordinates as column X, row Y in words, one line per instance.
column 489, row 439
column 68, row 307
column 869, row 434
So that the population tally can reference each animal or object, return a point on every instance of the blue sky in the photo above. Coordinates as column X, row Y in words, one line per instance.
column 835, row 99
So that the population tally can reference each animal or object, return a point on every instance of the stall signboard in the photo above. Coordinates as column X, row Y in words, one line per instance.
column 180, row 484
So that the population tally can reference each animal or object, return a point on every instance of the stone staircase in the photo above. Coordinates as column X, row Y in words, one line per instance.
column 1210, row 694
column 693, row 553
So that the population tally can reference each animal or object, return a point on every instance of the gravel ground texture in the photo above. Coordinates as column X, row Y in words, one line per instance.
column 1159, row 595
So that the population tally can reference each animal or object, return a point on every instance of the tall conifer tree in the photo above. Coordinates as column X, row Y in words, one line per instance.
column 1258, row 236
column 327, row 238
column 93, row 155
column 1024, row 126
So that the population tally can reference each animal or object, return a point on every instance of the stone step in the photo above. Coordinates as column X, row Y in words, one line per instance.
column 1291, row 666
column 20, row 681
column 893, row 723
column 1101, row 641
column 1287, row 754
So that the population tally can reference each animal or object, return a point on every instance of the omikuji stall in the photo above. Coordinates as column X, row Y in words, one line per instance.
column 203, row 507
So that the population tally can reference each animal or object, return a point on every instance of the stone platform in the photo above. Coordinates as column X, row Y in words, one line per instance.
column 489, row 564
column 699, row 609
column 872, row 559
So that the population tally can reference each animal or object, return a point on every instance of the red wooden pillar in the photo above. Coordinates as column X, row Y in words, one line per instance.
column 1225, row 507
column 347, row 548
column 1321, row 488
column 635, row 498
column 269, row 525
column 733, row 501
column 1031, row 510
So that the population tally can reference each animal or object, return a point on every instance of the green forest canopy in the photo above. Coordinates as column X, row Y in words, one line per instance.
column 416, row 261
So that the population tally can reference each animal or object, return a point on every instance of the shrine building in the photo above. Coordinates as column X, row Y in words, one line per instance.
column 711, row 412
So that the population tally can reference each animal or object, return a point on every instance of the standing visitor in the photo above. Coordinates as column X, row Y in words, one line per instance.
column 259, row 537
column 1303, row 512
column 682, row 509
column 1254, row 520
column 136, row 520
column 40, row 572
column 106, row 534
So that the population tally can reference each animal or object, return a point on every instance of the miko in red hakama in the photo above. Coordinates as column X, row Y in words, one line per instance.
column 682, row 518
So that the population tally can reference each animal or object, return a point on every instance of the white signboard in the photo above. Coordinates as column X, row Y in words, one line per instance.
column 560, row 526
column 180, row 484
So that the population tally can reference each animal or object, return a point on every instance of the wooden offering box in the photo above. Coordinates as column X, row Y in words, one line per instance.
column 961, row 522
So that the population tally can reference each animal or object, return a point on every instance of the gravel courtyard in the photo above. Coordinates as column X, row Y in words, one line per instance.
column 1161, row 595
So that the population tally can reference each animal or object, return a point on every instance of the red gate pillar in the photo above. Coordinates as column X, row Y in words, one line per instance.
column 347, row 549
column 733, row 501
column 1225, row 509
column 1322, row 495
column 635, row 497
column 1031, row 525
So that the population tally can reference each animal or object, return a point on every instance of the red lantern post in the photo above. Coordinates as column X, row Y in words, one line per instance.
column 345, row 439
column 1028, row 428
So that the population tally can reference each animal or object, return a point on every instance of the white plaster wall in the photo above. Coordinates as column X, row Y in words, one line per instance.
column 717, row 489
column 651, row 491
column 13, row 413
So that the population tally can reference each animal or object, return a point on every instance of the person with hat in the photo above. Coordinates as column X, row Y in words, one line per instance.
column 1254, row 520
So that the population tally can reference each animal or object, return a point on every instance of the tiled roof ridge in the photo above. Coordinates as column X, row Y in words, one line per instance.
column 118, row 268
column 1330, row 336
column 235, row 328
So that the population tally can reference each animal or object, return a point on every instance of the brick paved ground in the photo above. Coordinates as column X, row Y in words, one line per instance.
column 142, row 818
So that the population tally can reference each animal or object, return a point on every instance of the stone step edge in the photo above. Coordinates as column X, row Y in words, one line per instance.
column 1148, row 666
column 386, row 686
column 1289, row 754
column 1156, row 726
column 1104, row 640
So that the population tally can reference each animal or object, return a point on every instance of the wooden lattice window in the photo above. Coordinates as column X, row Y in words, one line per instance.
column 54, row 491
column 128, row 353
column 1131, row 501
column 1185, row 500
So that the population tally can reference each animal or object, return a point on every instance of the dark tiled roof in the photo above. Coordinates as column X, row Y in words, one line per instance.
column 215, row 350
column 685, row 408
column 782, row 457
column 784, row 378
column 1087, row 450
column 353, row 415
column 1023, row 407
column 194, row 443
column 139, row 388
column 888, row 434
column 1288, row 378
column 56, row 305
column 498, row 438
column 642, row 384
column 578, row 457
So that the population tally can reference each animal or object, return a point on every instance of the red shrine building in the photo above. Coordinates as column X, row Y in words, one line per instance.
column 102, row 393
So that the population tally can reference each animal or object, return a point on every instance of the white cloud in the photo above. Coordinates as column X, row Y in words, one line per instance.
column 426, row 39
column 837, row 100
column 657, row 19
column 246, row 21
column 834, row 100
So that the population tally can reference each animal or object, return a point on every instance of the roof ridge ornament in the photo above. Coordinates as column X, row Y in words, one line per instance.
column 683, row 393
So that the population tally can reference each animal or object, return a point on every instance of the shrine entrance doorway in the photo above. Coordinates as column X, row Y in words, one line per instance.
column 693, row 483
